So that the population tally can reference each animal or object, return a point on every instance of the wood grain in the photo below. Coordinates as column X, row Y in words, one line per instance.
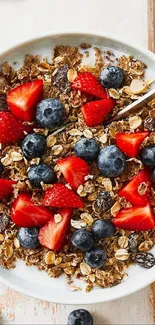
column 151, row 25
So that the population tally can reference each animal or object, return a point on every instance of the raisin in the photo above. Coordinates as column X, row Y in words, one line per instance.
column 103, row 202
column 145, row 260
column 133, row 242
column 149, row 124
column 60, row 79
column 3, row 104
column 4, row 220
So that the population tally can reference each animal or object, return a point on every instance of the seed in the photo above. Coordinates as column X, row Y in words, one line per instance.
column 133, row 242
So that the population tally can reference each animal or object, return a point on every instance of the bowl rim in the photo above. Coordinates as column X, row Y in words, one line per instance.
column 144, row 279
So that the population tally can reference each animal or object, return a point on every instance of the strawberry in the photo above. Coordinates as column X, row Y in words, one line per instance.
column 130, row 191
column 86, row 82
column 6, row 187
column 23, row 99
column 95, row 112
column 53, row 235
column 135, row 218
column 59, row 196
column 74, row 170
column 130, row 143
column 11, row 129
column 25, row 214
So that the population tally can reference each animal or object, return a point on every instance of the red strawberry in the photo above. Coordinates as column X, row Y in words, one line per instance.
column 87, row 83
column 53, row 235
column 74, row 170
column 23, row 99
column 135, row 218
column 130, row 143
column 25, row 214
column 6, row 187
column 59, row 196
column 130, row 191
column 95, row 112
column 11, row 129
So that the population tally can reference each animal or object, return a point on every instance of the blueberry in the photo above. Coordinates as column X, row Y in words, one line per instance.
column 1, row 168
column 34, row 145
column 41, row 173
column 96, row 257
column 112, row 77
column 147, row 155
column 80, row 317
column 111, row 161
column 50, row 112
column 28, row 237
column 83, row 240
column 153, row 176
column 103, row 229
column 87, row 149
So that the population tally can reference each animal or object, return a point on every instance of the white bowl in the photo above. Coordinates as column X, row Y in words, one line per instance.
column 29, row 280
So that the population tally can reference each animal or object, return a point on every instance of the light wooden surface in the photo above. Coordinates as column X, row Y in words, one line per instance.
column 22, row 19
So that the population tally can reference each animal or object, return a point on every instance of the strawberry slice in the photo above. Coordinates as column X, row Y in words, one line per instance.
column 59, row 196
column 74, row 170
column 95, row 112
column 11, row 129
column 23, row 99
column 135, row 218
column 25, row 214
column 6, row 187
column 86, row 82
column 130, row 191
column 130, row 143
column 53, row 235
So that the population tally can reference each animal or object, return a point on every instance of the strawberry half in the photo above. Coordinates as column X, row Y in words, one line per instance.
column 86, row 82
column 6, row 187
column 135, row 218
column 130, row 191
column 25, row 214
column 130, row 143
column 53, row 235
column 74, row 170
column 59, row 196
column 23, row 99
column 11, row 129
column 95, row 112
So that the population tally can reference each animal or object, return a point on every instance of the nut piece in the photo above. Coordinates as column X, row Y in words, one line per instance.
column 85, row 269
column 50, row 258
column 71, row 75
column 122, row 255
column 135, row 122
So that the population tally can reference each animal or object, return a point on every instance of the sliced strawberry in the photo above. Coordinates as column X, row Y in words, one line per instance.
column 11, row 129
column 53, row 235
column 25, row 214
column 59, row 196
column 23, row 99
column 86, row 82
column 135, row 218
column 95, row 112
column 74, row 170
column 130, row 191
column 129, row 143
column 6, row 187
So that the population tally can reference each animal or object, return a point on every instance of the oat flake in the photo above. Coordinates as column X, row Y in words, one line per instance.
column 87, row 133
column 85, row 269
column 135, row 122
column 57, row 149
column 115, row 208
column 71, row 75
column 50, row 258
column 51, row 141
column 122, row 254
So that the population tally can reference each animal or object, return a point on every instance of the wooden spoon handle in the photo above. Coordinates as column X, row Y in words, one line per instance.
column 151, row 25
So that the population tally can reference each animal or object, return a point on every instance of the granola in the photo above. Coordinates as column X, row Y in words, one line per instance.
column 99, row 193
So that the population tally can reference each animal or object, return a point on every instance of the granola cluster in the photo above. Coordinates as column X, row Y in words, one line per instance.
column 67, row 62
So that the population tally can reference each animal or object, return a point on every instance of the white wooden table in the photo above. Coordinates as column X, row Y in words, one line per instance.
column 19, row 20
